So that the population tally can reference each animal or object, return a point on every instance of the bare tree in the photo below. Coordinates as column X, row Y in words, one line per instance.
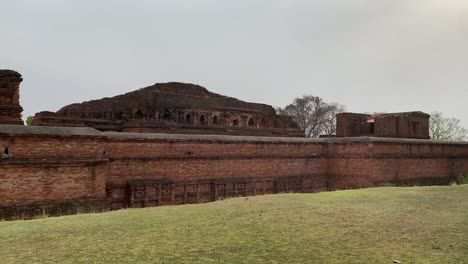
column 446, row 128
column 329, row 124
column 313, row 115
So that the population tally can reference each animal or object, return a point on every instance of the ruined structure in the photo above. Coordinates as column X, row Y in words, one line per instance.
column 63, row 170
column 390, row 125
column 10, row 108
column 173, row 108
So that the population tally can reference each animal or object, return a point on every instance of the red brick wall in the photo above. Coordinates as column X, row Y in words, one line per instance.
column 50, row 146
column 192, row 169
column 352, row 125
column 402, row 127
column 404, row 162
column 355, row 172
column 52, row 174
column 153, row 148
column 142, row 171
column 22, row 183
column 213, row 160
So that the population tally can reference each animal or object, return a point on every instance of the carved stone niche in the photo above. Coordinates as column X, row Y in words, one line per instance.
column 288, row 184
column 147, row 193
column 225, row 188
column 150, row 192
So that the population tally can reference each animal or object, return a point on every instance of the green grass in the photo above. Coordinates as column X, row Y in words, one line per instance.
column 413, row 225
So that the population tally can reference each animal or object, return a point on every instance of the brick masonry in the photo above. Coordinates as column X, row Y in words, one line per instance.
column 10, row 108
column 392, row 125
column 178, row 108
column 60, row 170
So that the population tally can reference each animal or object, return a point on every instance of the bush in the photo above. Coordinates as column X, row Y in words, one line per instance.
column 462, row 179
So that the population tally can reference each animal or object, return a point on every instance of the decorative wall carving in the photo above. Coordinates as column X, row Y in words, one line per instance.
column 148, row 192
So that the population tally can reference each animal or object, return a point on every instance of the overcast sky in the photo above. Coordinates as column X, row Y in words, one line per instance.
column 369, row 55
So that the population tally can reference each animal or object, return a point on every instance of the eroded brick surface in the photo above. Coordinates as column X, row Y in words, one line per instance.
column 391, row 125
column 10, row 108
column 173, row 108
column 139, row 170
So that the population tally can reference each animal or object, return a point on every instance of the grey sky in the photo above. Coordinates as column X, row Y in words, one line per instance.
column 369, row 55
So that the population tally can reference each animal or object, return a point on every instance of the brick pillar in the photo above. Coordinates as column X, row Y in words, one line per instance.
column 10, row 108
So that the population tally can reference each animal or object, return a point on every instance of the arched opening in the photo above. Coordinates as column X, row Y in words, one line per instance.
column 6, row 151
column 251, row 122
column 202, row 120
column 181, row 117
column 139, row 114
column 188, row 118
column 235, row 122
column 263, row 123
column 166, row 115
column 215, row 120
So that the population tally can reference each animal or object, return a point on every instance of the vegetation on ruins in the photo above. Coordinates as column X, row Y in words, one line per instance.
column 446, row 128
column 462, row 179
column 313, row 115
column 411, row 225
column 29, row 120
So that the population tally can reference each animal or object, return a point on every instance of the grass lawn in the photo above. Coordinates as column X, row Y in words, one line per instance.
column 412, row 225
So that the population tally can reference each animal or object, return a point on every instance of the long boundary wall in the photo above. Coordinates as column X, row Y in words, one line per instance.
column 66, row 170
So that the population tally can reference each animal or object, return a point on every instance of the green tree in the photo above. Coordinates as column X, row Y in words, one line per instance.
column 446, row 128
column 29, row 120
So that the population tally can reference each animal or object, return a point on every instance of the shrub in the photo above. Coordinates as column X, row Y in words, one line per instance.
column 462, row 179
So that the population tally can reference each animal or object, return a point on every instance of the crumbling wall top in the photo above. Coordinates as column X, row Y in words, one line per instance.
column 9, row 73
column 14, row 130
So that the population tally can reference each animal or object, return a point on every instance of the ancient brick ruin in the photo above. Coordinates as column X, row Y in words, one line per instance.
column 63, row 170
column 173, row 108
column 10, row 108
column 391, row 125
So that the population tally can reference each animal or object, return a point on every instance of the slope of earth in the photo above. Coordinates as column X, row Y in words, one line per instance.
column 380, row 225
